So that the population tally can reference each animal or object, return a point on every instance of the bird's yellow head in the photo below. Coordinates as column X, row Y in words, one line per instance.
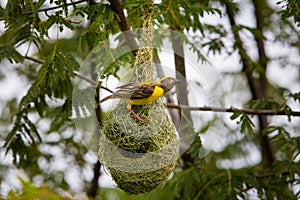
column 167, row 83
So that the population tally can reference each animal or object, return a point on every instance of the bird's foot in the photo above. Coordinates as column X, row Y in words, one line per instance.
column 134, row 115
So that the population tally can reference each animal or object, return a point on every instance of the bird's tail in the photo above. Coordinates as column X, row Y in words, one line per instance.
column 105, row 99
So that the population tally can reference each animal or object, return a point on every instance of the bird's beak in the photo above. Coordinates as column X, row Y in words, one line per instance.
column 177, row 81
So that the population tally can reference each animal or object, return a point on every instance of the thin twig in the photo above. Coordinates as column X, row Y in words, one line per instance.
column 50, row 8
column 233, row 109
column 193, row 108
column 267, row 175
column 85, row 78
column 129, row 36
column 55, row 7
column 33, row 59
column 91, row 81
column 74, row 72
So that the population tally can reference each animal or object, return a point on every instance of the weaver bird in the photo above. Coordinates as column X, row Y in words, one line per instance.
column 142, row 93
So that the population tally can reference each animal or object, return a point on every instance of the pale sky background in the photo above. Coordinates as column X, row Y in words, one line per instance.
column 216, row 138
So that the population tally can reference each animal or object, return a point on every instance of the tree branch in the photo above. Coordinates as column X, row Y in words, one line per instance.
column 55, row 7
column 211, row 108
column 257, row 87
column 33, row 59
column 208, row 108
column 261, row 84
column 50, row 8
column 92, row 191
column 86, row 79
column 182, row 95
column 191, row 108
column 117, row 6
column 91, row 81
column 233, row 109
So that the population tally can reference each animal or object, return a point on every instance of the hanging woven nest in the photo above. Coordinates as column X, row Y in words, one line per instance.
column 139, row 156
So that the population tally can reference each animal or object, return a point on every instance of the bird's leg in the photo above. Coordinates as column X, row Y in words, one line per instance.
column 135, row 115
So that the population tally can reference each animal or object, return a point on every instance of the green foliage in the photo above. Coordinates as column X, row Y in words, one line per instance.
column 16, row 9
column 295, row 96
column 103, row 23
column 179, row 14
column 245, row 121
column 10, row 54
column 108, row 60
column 205, row 183
column 290, row 8
column 136, row 11
column 271, row 105
column 289, row 147
column 182, row 15
column 195, row 151
column 265, row 104
column 49, row 97
column 16, row 35
column 30, row 191
column 53, row 81
column 216, row 35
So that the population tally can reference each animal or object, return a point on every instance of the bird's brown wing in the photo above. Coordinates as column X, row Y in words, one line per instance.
column 134, row 91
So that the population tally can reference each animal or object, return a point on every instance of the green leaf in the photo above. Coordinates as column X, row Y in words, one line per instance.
column 10, row 53
column 14, row 11
column 283, row 142
column 235, row 115
column 245, row 121
column 44, row 26
column 18, row 147
column 271, row 105
column 54, row 76
column 290, row 8
column 38, row 5
column 295, row 96
column 53, row 80
column 265, row 104
column 195, row 151
column 67, row 23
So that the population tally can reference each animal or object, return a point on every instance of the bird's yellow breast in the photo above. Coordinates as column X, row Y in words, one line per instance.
column 158, row 92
